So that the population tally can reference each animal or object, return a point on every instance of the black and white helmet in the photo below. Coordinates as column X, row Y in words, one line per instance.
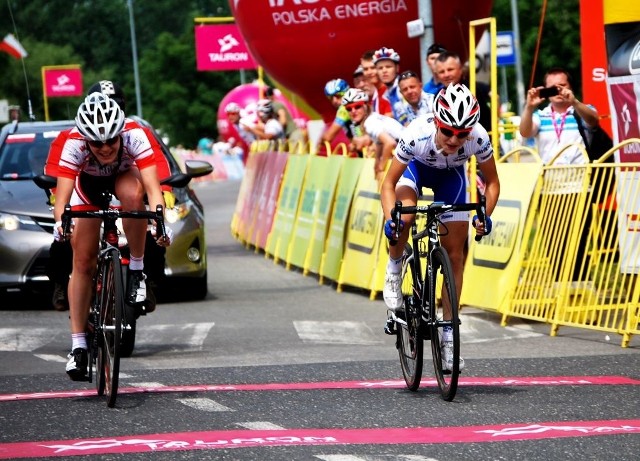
column 99, row 118
column 456, row 107
column 111, row 89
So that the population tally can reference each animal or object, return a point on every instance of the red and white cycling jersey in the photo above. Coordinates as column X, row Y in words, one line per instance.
column 135, row 150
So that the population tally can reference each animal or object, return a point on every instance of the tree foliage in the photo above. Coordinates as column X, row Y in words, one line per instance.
column 175, row 97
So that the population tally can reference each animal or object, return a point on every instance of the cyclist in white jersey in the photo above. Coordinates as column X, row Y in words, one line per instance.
column 383, row 131
column 433, row 153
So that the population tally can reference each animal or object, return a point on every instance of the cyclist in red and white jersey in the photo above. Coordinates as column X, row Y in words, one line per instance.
column 60, row 254
column 103, row 153
column 433, row 153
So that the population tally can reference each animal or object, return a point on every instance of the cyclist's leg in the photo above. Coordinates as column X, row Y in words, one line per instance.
column 457, row 233
column 129, row 190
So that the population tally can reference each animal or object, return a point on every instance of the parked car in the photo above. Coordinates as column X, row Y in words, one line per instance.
column 26, row 218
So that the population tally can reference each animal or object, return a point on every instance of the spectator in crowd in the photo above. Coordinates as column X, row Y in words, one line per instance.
column 334, row 90
column 291, row 130
column 434, row 85
column 450, row 70
column 205, row 146
column 378, row 102
column 387, row 62
column 415, row 101
column 358, row 77
column 243, row 136
column 383, row 131
column 268, row 126
column 555, row 126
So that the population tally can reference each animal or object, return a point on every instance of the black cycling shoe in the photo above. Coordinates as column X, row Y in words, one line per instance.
column 137, row 290
column 77, row 364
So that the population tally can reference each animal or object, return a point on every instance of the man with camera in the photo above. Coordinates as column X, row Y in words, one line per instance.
column 556, row 126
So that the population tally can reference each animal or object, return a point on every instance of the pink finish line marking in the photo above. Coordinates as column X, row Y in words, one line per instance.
column 210, row 440
column 388, row 384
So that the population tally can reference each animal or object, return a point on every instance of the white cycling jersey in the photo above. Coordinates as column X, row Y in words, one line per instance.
column 376, row 123
column 419, row 143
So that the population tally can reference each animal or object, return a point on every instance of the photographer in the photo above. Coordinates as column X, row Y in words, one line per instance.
column 555, row 126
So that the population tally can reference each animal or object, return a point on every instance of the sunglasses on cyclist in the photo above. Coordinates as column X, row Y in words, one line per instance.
column 108, row 142
column 450, row 132
column 352, row 107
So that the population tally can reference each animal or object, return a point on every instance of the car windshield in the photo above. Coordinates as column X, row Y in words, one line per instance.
column 23, row 155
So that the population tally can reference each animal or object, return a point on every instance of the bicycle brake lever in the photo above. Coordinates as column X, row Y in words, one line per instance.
column 481, row 209
column 395, row 217
column 160, row 229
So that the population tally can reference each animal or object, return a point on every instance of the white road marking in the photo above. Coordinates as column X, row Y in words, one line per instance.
column 204, row 405
column 24, row 339
column 51, row 358
column 261, row 426
column 147, row 385
column 191, row 335
column 341, row 332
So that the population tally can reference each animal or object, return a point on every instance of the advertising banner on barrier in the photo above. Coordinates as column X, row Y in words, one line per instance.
column 287, row 209
column 239, row 222
column 310, row 226
column 268, row 191
column 493, row 264
column 363, row 232
column 334, row 247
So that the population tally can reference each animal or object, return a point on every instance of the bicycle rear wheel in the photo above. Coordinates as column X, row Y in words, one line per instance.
column 111, row 315
column 409, row 341
column 447, row 379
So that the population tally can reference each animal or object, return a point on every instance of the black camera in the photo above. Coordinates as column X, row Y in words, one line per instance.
column 548, row 92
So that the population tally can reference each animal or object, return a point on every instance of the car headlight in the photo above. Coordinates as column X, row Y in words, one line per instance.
column 11, row 222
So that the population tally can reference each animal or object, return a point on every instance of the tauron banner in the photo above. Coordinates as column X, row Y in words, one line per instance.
column 61, row 81
column 221, row 47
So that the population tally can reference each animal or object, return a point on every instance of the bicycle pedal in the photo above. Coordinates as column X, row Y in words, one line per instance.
column 390, row 327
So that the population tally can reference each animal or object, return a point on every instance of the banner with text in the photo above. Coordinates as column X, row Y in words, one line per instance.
column 62, row 81
column 221, row 47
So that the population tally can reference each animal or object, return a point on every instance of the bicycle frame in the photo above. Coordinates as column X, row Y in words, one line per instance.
column 422, row 320
column 108, row 316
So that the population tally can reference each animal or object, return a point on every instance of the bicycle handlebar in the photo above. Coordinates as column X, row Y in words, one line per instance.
column 436, row 209
column 113, row 213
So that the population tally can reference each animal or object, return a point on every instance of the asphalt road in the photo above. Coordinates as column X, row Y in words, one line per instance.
column 274, row 366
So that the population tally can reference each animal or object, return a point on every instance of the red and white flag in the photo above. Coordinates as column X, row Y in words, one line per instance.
column 12, row 46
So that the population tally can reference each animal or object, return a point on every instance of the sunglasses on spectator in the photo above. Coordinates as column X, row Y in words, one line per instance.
column 352, row 107
column 407, row 74
column 108, row 142
column 450, row 132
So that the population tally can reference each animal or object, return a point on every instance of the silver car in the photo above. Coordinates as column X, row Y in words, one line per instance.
column 26, row 219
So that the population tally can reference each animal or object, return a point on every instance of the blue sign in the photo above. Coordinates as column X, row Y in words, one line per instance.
column 506, row 48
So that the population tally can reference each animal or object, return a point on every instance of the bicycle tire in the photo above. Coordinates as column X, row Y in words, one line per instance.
column 441, row 266
column 111, row 318
column 130, row 321
column 409, row 341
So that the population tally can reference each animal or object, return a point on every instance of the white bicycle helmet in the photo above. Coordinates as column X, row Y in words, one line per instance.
column 232, row 107
column 265, row 107
column 386, row 53
column 335, row 87
column 354, row 95
column 456, row 107
column 99, row 118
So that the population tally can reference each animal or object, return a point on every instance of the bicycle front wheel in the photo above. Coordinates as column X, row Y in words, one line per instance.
column 446, row 373
column 409, row 341
column 111, row 325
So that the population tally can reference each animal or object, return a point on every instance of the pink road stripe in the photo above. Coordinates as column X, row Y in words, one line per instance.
column 183, row 441
column 388, row 384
